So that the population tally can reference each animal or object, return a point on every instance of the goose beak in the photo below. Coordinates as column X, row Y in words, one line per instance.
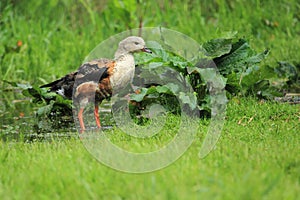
column 145, row 49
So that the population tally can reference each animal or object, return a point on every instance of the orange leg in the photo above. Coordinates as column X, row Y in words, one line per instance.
column 80, row 118
column 96, row 114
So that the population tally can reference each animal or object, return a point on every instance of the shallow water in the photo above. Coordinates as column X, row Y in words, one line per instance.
column 18, row 121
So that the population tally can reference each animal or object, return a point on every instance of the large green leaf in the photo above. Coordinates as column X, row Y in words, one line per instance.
column 218, row 47
column 256, row 73
column 163, row 89
column 140, row 96
column 173, row 87
column 287, row 70
column 239, row 58
column 188, row 98
column 45, row 110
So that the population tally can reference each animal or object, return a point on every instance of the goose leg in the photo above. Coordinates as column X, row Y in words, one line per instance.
column 96, row 114
column 80, row 118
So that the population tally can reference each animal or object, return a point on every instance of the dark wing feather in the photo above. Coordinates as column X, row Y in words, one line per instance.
column 92, row 66
column 64, row 84
column 95, row 71
column 95, row 76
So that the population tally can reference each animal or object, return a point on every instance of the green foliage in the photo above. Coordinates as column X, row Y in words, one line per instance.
column 42, row 41
column 256, row 159
column 257, row 156
column 233, row 59
column 168, row 79
column 53, row 112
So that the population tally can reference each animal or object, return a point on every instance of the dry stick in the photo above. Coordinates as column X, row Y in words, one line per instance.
column 140, row 26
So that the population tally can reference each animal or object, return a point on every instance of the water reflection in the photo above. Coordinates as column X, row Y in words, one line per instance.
column 18, row 121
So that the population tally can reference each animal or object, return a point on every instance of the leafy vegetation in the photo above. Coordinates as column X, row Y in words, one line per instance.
column 245, row 72
column 257, row 155
column 237, row 63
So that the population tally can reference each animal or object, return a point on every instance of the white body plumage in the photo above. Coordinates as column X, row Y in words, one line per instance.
column 123, row 72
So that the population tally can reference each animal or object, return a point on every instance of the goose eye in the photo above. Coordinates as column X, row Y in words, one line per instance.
column 136, row 43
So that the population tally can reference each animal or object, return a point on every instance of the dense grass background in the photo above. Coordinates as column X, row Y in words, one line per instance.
column 57, row 35
column 256, row 157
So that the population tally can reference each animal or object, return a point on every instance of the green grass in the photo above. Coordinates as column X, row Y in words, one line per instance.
column 57, row 35
column 257, row 157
